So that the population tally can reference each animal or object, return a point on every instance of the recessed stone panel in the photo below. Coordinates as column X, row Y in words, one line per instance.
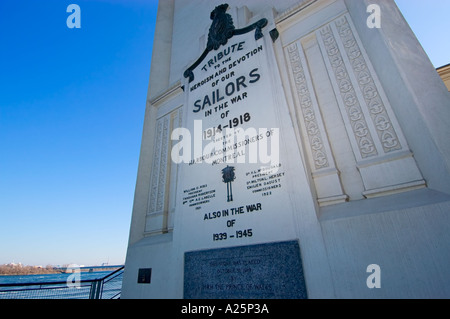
column 266, row 271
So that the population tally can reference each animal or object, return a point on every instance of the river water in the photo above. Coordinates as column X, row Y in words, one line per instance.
column 21, row 279
column 69, row 287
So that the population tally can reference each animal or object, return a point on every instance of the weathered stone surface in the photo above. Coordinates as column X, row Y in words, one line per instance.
column 266, row 271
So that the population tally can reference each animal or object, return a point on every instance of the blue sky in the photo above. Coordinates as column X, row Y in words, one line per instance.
column 429, row 21
column 72, row 105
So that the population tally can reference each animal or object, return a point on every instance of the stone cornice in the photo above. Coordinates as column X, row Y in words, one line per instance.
column 293, row 10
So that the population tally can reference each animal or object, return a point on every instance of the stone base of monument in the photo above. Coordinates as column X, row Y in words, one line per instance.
column 265, row 271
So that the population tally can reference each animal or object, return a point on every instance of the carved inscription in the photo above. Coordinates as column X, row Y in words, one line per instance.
column 258, row 271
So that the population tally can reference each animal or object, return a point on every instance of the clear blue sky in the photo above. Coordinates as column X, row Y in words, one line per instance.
column 72, row 107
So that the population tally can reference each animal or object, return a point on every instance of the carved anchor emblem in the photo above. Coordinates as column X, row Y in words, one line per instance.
column 221, row 28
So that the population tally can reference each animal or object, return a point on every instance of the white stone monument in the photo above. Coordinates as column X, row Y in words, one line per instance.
column 270, row 125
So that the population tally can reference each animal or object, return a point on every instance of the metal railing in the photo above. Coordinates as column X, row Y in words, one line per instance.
column 108, row 287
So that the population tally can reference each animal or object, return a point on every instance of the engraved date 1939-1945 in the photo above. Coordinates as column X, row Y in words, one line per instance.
column 237, row 234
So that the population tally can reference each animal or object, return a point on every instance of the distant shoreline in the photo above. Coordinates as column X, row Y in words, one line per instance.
column 18, row 270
